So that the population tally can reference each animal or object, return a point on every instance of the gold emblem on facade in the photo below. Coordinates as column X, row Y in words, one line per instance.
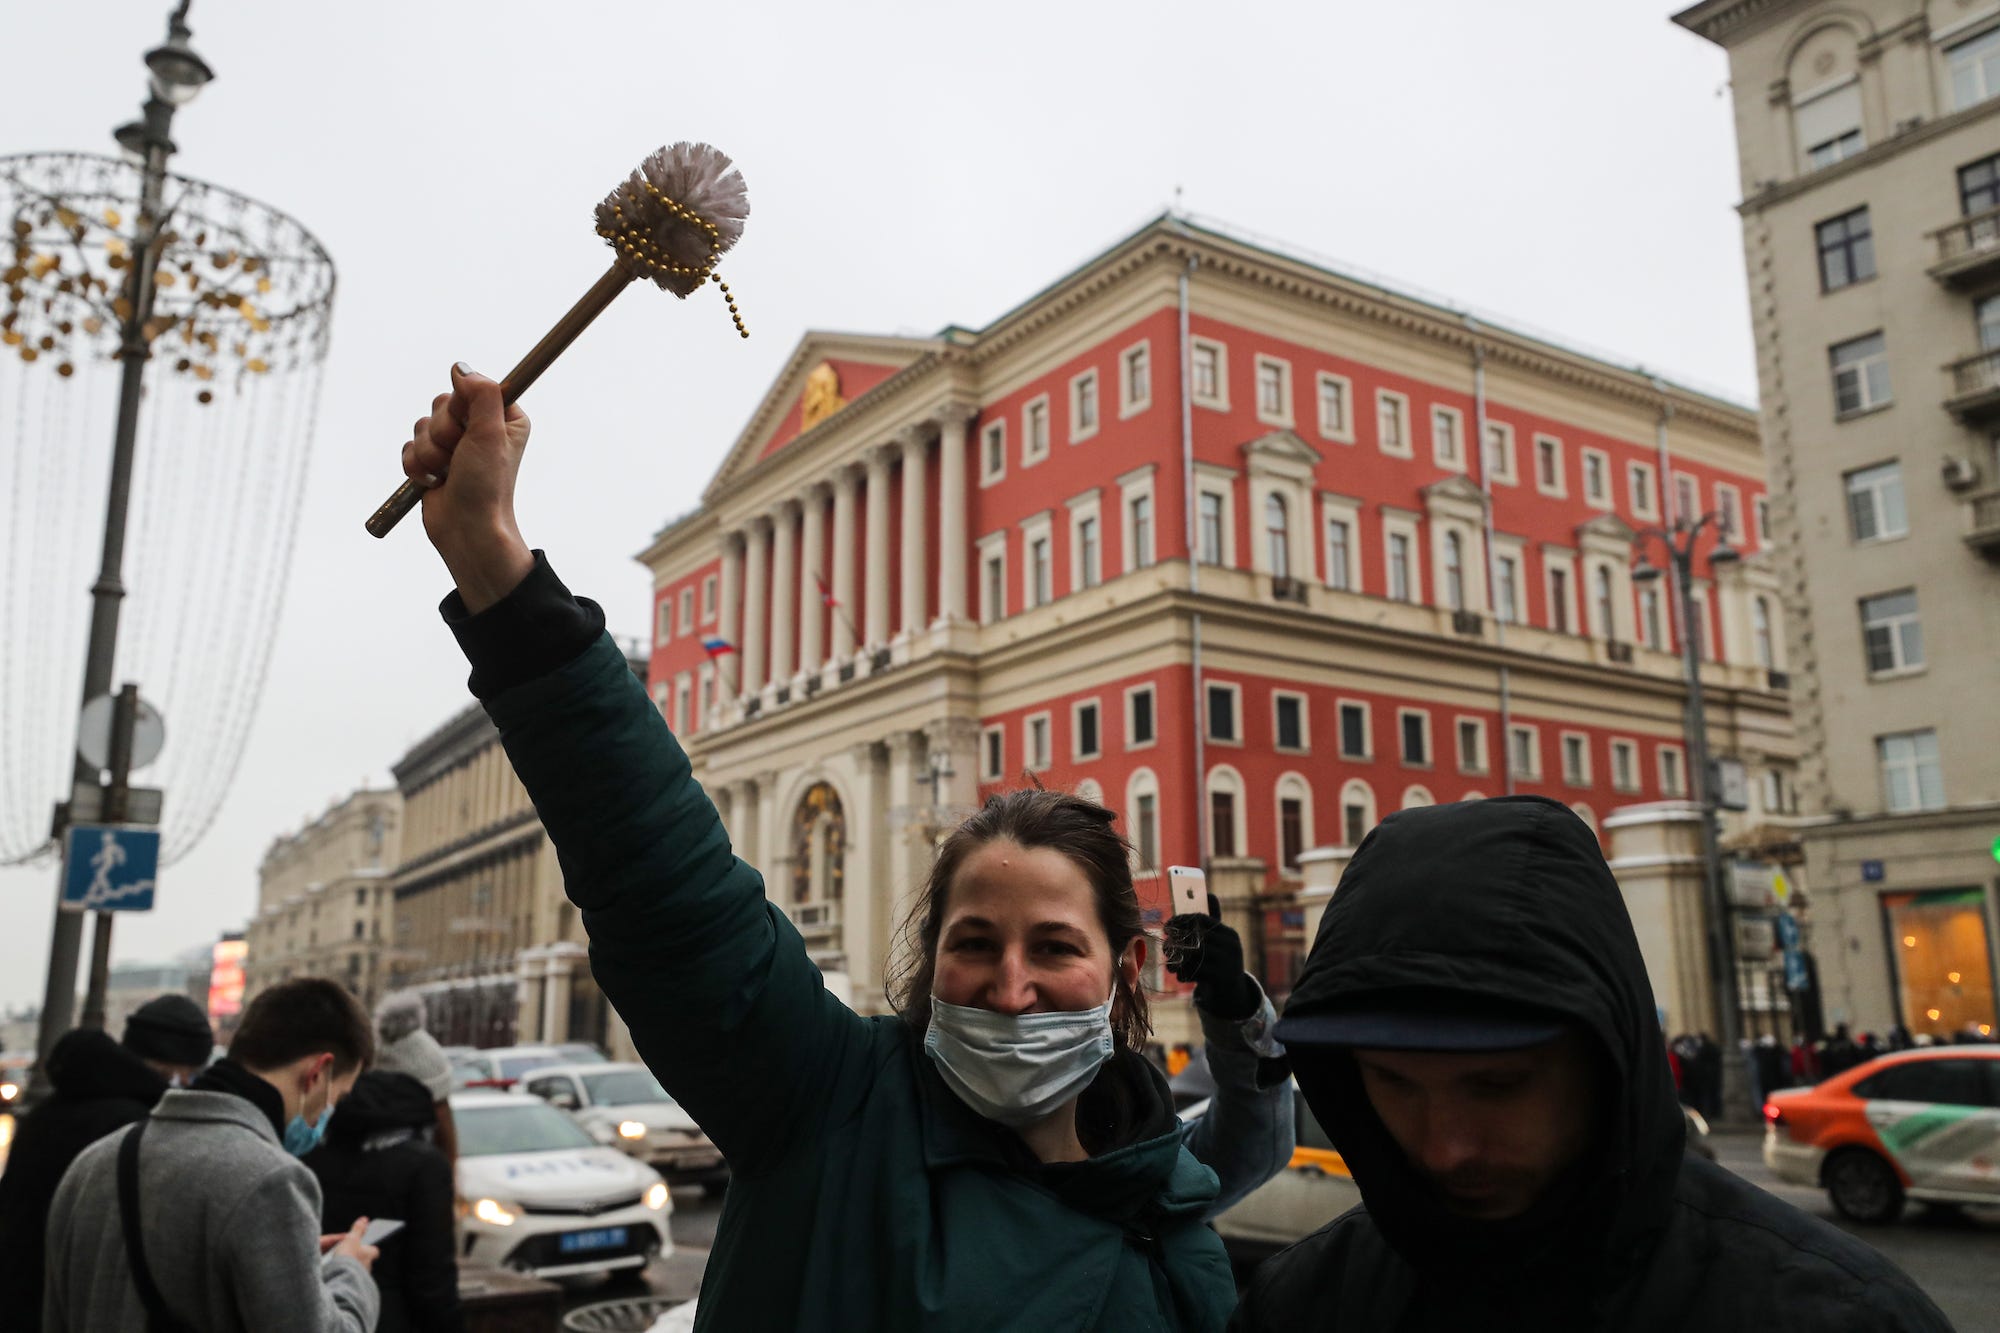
column 822, row 397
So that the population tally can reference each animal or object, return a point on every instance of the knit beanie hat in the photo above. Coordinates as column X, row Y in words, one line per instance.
column 406, row 1048
column 171, row 1029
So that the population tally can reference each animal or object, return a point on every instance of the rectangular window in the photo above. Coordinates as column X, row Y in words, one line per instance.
column 1222, row 713
column 1506, row 588
column 1974, row 67
column 1146, row 827
column 1334, row 394
column 1829, row 126
column 992, row 452
column 1687, row 498
column 1860, row 374
column 1085, row 719
column 1354, row 731
column 1222, row 823
column 1290, row 728
column 1339, row 544
column 1524, row 752
column 1576, row 759
column 1892, row 635
column 1139, row 717
column 993, row 599
column 1401, row 586
column 663, row 621
column 1979, row 186
column 1038, row 741
column 1353, row 823
column 1760, row 510
column 1549, row 479
column 1471, row 745
column 1274, row 390
column 1911, row 777
column 1729, row 512
column 1596, row 477
column 1673, row 773
column 1846, row 250
column 1559, row 600
column 1639, row 476
column 1089, row 561
column 1083, row 406
column 1140, row 514
column 1416, row 729
column 1211, row 528
column 1291, row 831
column 1206, row 360
column 1500, row 453
column 993, row 754
column 1875, row 503
column 683, row 703
column 1041, row 577
column 708, row 599
column 707, row 688
column 1445, row 451
column 1035, row 431
column 1392, row 434
column 1624, row 765
column 1135, row 379
column 1652, row 632
column 687, row 610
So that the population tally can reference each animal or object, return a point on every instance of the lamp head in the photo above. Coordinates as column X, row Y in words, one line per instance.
column 1724, row 554
column 178, row 73
column 1645, row 571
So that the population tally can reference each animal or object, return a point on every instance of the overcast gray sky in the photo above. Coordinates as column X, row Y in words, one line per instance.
column 1569, row 163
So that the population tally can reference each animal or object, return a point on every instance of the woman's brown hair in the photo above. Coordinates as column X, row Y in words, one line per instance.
column 1079, row 829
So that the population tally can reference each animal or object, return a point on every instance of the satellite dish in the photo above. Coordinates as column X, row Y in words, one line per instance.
column 93, row 733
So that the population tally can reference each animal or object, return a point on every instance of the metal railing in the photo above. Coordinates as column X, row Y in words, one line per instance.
column 1972, row 235
column 1976, row 374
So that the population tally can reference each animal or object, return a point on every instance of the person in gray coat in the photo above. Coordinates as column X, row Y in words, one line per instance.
column 228, row 1237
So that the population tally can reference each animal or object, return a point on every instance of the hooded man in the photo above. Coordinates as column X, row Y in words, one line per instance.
column 100, row 1085
column 1475, row 1030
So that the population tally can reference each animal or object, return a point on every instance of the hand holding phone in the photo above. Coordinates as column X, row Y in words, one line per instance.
column 380, row 1230
column 1187, row 891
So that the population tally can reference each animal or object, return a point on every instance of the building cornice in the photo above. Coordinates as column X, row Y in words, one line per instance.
column 1875, row 154
column 469, row 731
column 1721, row 20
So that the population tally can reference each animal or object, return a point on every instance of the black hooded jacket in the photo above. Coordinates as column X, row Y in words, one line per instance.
column 1508, row 904
column 99, row 1086
column 377, row 1163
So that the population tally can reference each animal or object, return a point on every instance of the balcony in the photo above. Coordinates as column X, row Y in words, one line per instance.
column 816, row 919
column 1982, row 532
column 1968, row 251
column 1975, row 388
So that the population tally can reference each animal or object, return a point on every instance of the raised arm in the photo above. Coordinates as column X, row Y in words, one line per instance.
column 713, row 981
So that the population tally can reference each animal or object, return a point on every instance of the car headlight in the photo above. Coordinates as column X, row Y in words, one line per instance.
column 494, row 1212
column 631, row 1129
column 656, row 1195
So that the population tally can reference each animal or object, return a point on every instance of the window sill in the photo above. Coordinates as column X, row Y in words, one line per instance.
column 1292, row 749
column 1357, row 758
column 1900, row 673
column 1850, row 285
column 1131, row 410
column 1080, row 436
column 1232, row 742
column 1842, row 418
column 1334, row 437
column 1887, row 539
column 1273, row 419
column 1141, row 745
column 1212, row 404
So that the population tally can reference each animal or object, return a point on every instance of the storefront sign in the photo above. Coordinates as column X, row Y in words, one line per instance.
column 1753, row 884
column 1756, row 938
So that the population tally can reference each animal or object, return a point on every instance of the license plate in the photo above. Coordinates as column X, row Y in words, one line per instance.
column 603, row 1238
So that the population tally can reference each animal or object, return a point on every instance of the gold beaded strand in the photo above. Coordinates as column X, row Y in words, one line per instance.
column 635, row 243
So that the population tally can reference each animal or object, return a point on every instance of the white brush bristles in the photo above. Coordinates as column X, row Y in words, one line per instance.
column 701, row 179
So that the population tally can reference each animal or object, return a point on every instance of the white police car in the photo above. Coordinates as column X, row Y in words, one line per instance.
column 541, row 1197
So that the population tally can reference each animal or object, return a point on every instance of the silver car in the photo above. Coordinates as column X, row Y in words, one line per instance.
column 624, row 1106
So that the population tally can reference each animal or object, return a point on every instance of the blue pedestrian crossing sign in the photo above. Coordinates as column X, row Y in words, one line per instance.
column 109, row 868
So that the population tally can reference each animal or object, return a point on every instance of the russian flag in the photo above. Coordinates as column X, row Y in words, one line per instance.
column 716, row 646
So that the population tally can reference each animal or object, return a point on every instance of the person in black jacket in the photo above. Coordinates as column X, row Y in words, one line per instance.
column 1475, row 1030
column 100, row 1085
column 379, row 1161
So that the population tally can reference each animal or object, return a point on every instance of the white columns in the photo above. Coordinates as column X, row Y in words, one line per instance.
column 812, row 603
column 729, row 667
column 846, row 491
column 951, row 516
column 877, row 633
column 784, row 592
column 916, row 565
column 757, row 567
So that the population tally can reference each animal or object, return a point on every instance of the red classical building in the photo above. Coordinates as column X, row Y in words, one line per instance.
column 1247, row 549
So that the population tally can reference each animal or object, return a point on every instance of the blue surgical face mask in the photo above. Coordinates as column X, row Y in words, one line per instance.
column 301, row 1136
column 1017, row 1068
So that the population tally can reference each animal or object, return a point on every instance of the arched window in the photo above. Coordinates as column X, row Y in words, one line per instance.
column 1278, row 533
column 1587, row 815
column 819, row 846
column 1473, row 796
column 1357, row 812
column 1607, row 625
column 1228, row 834
column 1142, row 817
column 1454, row 571
column 1295, row 819
column 1090, row 791
column 1414, row 797
column 1760, row 632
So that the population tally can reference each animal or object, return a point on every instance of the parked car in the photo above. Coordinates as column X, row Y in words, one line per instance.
column 1313, row 1189
column 624, row 1106
column 582, row 1053
column 502, row 1066
column 1921, row 1124
column 542, row 1197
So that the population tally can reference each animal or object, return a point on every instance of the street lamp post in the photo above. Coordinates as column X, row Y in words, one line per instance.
column 1679, row 542
column 176, row 74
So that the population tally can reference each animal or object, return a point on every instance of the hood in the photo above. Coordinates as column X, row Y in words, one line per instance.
column 380, row 1100
column 563, row 1177
column 653, row 1115
column 87, row 1064
column 1507, row 905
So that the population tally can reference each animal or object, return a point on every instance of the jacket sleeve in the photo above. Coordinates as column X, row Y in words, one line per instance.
column 430, row 1268
column 711, row 978
column 269, row 1250
column 1248, row 1134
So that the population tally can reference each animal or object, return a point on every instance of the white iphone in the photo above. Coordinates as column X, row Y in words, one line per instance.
column 379, row 1230
column 1187, row 889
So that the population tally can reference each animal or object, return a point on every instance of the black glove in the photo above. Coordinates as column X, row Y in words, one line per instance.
column 1203, row 950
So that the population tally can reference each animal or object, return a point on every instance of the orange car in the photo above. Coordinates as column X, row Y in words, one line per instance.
column 1921, row 1124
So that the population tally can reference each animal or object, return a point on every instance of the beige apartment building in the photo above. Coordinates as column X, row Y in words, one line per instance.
column 1869, row 138
column 322, row 898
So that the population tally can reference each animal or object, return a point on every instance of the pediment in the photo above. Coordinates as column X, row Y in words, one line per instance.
column 1606, row 528
column 1281, row 446
column 824, row 376
column 1457, row 489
